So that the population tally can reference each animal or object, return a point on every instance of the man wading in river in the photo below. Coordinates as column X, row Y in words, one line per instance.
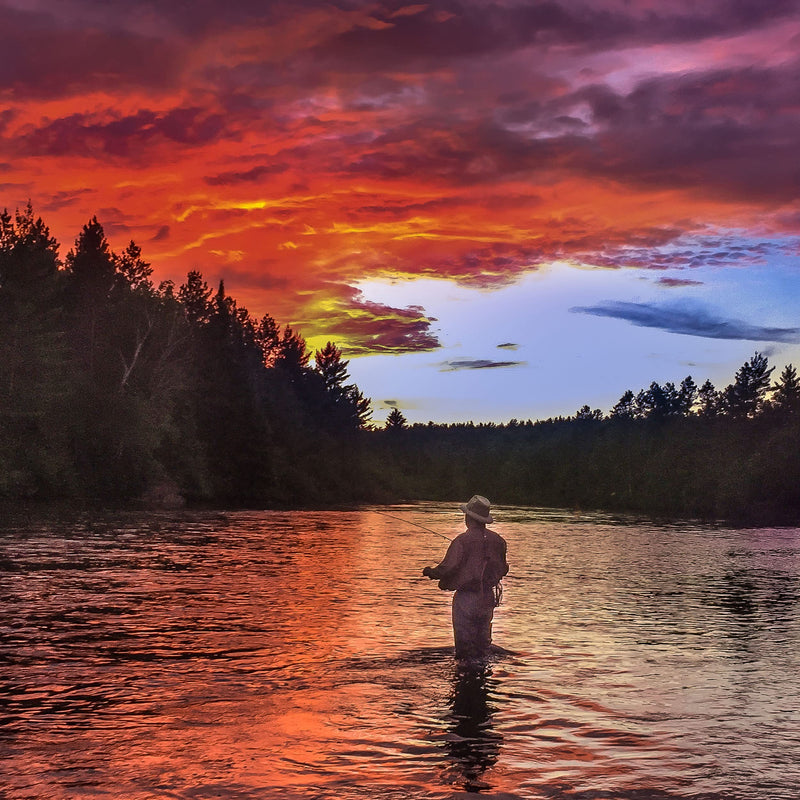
column 474, row 565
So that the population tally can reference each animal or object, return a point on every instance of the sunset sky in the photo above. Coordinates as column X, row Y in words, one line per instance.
column 496, row 209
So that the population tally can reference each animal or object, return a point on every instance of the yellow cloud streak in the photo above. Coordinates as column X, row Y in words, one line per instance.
column 217, row 234
column 410, row 229
column 245, row 205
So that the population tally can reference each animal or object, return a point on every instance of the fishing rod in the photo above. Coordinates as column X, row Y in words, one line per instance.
column 409, row 522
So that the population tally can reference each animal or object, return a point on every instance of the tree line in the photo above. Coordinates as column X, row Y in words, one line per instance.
column 114, row 389
column 678, row 451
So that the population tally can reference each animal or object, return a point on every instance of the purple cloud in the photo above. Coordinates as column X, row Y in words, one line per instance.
column 689, row 321
column 126, row 137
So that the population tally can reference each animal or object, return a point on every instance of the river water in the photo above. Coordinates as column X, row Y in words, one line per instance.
column 262, row 655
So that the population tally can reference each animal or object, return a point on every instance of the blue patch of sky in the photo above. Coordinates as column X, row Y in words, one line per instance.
column 565, row 359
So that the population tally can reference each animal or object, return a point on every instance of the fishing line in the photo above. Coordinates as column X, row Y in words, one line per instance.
column 409, row 522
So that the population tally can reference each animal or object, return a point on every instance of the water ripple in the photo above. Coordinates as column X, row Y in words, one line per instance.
column 260, row 655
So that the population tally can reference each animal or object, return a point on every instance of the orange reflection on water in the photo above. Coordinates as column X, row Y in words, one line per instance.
column 302, row 655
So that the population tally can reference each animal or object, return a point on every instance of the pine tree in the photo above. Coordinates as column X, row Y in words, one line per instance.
column 91, row 264
column 345, row 406
column 656, row 402
column 395, row 421
column 587, row 413
column 28, row 254
column 687, row 396
column 332, row 367
column 362, row 406
column 293, row 356
column 133, row 269
column 786, row 396
column 709, row 400
column 268, row 338
column 745, row 396
column 625, row 407
column 195, row 296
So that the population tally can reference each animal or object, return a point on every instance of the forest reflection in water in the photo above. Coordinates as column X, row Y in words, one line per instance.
column 302, row 655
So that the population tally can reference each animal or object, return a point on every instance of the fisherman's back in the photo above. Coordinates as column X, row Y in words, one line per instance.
column 475, row 559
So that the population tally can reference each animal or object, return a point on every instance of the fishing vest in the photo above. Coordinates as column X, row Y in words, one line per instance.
column 480, row 561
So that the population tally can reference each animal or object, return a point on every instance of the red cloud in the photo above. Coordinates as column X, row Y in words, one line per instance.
column 296, row 148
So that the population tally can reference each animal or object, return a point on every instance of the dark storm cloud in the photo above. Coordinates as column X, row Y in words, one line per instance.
column 446, row 31
column 732, row 131
column 42, row 57
column 476, row 24
column 689, row 321
column 729, row 132
column 128, row 136
column 441, row 33
column 89, row 44
column 457, row 365
column 508, row 346
column 673, row 133
column 191, row 17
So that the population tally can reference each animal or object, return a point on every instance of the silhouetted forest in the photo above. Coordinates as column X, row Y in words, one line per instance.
column 113, row 389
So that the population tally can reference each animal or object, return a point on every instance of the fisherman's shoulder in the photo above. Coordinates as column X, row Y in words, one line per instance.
column 458, row 542
column 495, row 535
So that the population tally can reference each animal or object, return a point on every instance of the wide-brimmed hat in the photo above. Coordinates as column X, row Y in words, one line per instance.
column 478, row 508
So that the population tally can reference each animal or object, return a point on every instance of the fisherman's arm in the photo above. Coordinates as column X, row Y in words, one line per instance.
column 448, row 564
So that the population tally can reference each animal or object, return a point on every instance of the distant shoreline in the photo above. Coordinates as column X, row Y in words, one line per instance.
column 70, row 510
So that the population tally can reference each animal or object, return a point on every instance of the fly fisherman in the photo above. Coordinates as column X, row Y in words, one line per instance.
column 474, row 565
